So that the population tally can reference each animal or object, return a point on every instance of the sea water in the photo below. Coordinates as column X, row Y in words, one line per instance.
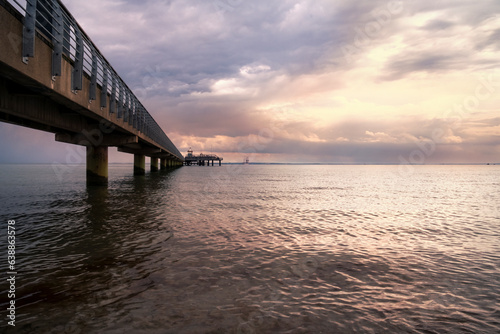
column 254, row 249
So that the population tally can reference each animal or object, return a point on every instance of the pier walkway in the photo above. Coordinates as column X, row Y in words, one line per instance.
column 53, row 78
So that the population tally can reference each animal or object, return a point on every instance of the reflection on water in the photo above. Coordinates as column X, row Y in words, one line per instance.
column 257, row 249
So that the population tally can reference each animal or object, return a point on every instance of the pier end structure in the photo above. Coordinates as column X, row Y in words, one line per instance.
column 201, row 159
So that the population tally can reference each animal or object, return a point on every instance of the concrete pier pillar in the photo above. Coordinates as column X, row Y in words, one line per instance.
column 154, row 164
column 97, row 165
column 139, row 164
column 220, row 162
column 163, row 164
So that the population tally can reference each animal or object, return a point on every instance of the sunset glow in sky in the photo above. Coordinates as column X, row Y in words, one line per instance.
column 301, row 81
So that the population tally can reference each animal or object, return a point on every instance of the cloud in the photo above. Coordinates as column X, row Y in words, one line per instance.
column 437, row 25
column 341, row 80
column 448, row 38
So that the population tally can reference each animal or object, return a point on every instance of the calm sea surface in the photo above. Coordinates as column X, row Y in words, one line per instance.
column 254, row 249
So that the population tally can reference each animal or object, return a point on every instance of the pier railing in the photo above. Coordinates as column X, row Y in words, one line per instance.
column 54, row 23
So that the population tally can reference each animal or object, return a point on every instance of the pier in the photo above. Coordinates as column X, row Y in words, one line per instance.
column 201, row 159
column 54, row 78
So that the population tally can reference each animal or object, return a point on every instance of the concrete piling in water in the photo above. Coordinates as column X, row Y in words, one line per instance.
column 154, row 164
column 97, row 165
column 44, row 88
column 139, row 164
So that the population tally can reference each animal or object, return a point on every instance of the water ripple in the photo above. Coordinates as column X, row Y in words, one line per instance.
column 278, row 249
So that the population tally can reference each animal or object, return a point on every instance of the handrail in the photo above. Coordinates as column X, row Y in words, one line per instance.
column 53, row 20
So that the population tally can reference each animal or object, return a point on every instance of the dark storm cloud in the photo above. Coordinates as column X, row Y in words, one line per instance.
column 451, row 41
column 404, row 65
column 437, row 25
column 194, row 42
column 491, row 40
column 211, row 68
column 187, row 45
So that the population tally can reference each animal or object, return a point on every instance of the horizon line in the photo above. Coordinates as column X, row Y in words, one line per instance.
column 287, row 163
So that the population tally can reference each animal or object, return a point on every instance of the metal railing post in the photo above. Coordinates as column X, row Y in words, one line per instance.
column 78, row 66
column 139, row 116
column 93, row 77
column 130, row 108
column 29, row 31
column 112, row 98
column 126, row 106
column 143, row 121
column 132, row 111
column 57, row 33
column 134, row 121
column 120, row 101
column 50, row 19
column 104, row 88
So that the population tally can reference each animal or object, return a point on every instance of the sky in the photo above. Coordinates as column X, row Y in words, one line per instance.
column 301, row 81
